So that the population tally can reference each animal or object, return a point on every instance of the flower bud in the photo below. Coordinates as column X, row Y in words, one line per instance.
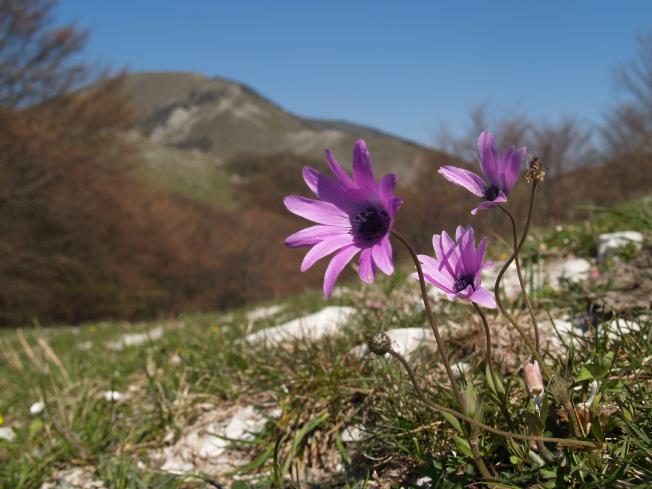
column 533, row 378
column 379, row 343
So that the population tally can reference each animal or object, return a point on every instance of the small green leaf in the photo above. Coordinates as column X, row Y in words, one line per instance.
column 490, row 382
column 470, row 400
column 596, row 429
column 453, row 421
column 463, row 446
column 515, row 460
column 34, row 427
column 584, row 374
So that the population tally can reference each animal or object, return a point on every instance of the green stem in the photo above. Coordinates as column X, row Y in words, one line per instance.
column 487, row 333
column 517, row 248
column 431, row 318
column 516, row 436
column 473, row 438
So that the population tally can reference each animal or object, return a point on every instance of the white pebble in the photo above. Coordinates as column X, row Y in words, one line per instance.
column 36, row 408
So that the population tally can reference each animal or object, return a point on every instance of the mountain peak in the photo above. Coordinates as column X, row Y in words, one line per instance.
column 224, row 118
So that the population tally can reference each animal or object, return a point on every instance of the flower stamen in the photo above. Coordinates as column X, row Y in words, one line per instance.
column 491, row 192
column 370, row 224
column 462, row 283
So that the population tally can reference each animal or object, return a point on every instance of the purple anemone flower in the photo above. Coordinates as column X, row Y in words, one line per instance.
column 353, row 215
column 457, row 266
column 500, row 172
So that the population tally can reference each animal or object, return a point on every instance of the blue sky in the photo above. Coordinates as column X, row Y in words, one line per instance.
column 403, row 67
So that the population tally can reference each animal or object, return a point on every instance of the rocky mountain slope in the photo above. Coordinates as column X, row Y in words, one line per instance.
column 211, row 120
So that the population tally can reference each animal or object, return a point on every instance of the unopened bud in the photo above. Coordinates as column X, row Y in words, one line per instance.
column 534, row 172
column 379, row 343
column 533, row 378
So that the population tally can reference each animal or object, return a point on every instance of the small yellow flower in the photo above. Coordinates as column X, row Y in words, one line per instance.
column 2, row 420
column 215, row 328
column 504, row 256
column 92, row 328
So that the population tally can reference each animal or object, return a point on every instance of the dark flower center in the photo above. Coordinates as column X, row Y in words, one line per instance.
column 370, row 224
column 491, row 192
column 462, row 283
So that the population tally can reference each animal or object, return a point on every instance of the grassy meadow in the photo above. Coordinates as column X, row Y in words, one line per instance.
column 113, row 401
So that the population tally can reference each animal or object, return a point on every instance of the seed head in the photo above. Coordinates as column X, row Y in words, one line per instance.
column 379, row 343
column 534, row 172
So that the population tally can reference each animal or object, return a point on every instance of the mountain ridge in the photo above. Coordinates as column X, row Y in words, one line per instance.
column 221, row 118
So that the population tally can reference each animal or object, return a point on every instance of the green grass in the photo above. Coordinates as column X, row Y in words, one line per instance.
column 320, row 391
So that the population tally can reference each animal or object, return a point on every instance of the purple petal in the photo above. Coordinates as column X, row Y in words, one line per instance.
column 311, row 236
column 434, row 280
column 483, row 297
column 479, row 254
column 466, row 243
column 395, row 205
column 367, row 269
column 428, row 262
column 382, row 255
column 311, row 176
column 363, row 173
column 336, row 266
column 330, row 190
column 441, row 279
column 446, row 252
column 338, row 171
column 489, row 157
column 502, row 198
column 466, row 293
column 512, row 166
column 386, row 187
column 326, row 247
column 317, row 211
column 461, row 231
column 464, row 178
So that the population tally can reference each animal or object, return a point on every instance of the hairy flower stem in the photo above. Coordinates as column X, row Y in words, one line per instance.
column 517, row 248
column 431, row 318
column 473, row 439
column 487, row 332
column 516, row 436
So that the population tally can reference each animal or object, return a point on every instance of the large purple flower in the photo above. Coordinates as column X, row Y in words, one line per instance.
column 353, row 215
column 457, row 266
column 500, row 172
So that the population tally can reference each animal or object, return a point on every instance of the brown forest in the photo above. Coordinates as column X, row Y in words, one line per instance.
column 80, row 239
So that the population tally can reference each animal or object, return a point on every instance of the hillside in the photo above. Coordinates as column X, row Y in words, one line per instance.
column 190, row 125
column 212, row 400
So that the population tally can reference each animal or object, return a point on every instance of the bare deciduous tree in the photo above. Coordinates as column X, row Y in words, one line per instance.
column 628, row 126
column 37, row 58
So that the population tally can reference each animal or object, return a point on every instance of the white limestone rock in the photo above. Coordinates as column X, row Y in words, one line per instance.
column 405, row 341
column 135, row 339
column 74, row 478
column 618, row 327
column 7, row 433
column 112, row 396
column 353, row 433
column 574, row 270
column 206, row 445
column 610, row 243
column 264, row 312
column 312, row 327
column 37, row 408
